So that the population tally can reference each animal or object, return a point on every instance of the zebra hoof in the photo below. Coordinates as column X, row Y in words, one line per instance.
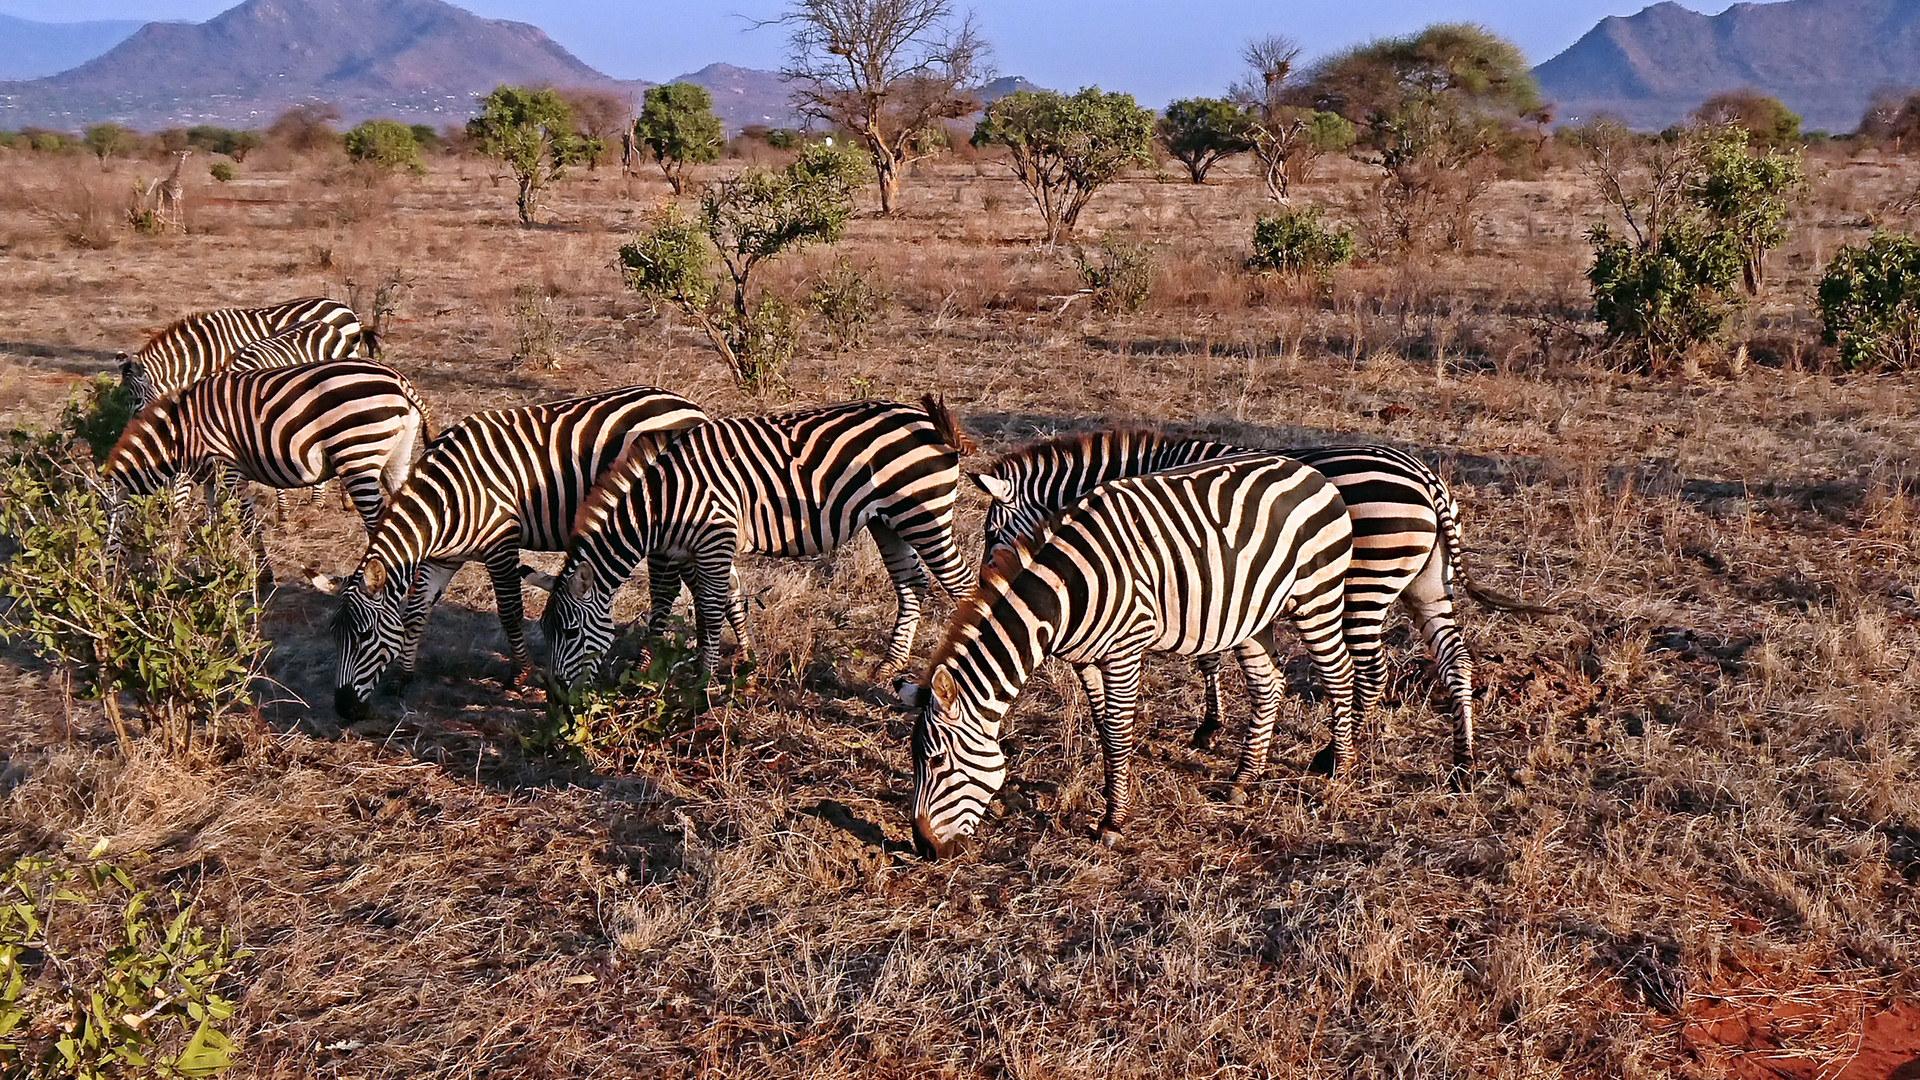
column 1460, row 777
column 1237, row 795
column 1325, row 762
column 1108, row 835
column 1203, row 735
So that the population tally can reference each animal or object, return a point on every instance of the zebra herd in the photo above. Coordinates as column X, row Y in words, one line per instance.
column 1099, row 547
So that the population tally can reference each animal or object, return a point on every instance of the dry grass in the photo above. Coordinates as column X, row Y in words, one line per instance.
column 1703, row 772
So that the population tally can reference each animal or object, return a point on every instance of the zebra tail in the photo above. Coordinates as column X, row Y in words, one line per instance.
column 372, row 342
column 1449, row 514
column 426, row 418
column 948, row 425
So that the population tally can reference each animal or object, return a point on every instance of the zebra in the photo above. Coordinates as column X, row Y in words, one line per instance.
column 282, row 427
column 1407, row 546
column 791, row 485
column 302, row 343
column 201, row 344
column 1193, row 560
column 491, row 485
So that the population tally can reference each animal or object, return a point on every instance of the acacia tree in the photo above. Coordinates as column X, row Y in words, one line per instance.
column 677, row 123
column 1893, row 117
column 1202, row 132
column 890, row 71
column 108, row 140
column 1063, row 149
column 532, row 131
column 599, row 117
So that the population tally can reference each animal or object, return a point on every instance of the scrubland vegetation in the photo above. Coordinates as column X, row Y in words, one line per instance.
column 1694, row 845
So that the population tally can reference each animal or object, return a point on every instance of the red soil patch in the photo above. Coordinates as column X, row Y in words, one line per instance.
column 1845, row 1038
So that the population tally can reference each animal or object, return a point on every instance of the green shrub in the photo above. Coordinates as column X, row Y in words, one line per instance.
column 97, row 413
column 96, row 982
column 612, row 727
column 786, row 139
column 171, row 620
column 1119, row 274
column 847, row 300
column 223, row 171
column 1667, row 298
column 385, row 144
column 1299, row 242
column 1870, row 303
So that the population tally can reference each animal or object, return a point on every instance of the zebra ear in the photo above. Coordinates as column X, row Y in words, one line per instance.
column 997, row 489
column 577, row 584
column 374, row 573
column 538, row 578
column 945, row 690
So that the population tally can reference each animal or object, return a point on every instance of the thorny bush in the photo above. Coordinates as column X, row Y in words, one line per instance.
column 1870, row 303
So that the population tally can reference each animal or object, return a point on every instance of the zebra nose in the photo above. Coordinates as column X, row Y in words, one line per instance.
column 348, row 705
column 924, row 842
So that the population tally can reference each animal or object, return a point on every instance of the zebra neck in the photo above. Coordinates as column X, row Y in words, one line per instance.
column 1001, row 650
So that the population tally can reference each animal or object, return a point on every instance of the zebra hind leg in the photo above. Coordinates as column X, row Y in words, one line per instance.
column 1364, row 646
column 1430, row 603
column 912, row 586
column 1209, row 667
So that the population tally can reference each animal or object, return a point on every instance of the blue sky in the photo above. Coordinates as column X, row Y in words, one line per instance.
column 1154, row 49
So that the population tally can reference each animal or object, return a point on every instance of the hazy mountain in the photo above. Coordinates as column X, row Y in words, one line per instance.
column 1004, row 85
column 743, row 96
column 416, row 60
column 1824, row 58
column 31, row 49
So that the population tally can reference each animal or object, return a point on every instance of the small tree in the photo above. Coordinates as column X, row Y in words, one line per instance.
column 600, row 117
column 1892, row 118
column 1765, row 119
column 385, row 145
column 1870, row 303
column 532, row 131
column 108, row 140
column 749, row 219
column 306, row 127
column 677, row 123
column 1063, row 149
column 1202, row 132
column 890, row 71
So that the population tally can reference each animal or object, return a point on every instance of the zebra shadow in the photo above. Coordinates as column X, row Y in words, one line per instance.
column 66, row 359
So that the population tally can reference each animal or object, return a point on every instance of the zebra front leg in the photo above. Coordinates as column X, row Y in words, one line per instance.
column 1209, row 666
column 663, row 588
column 1263, row 686
column 503, row 565
column 1113, row 687
column 1429, row 601
column 428, row 584
column 711, row 582
column 911, row 586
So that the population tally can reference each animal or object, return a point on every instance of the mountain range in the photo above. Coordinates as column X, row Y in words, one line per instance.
column 424, row 61
column 1824, row 58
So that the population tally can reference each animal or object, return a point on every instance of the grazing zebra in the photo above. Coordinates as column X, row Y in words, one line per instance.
column 282, row 427
column 201, row 344
column 1407, row 545
column 304, row 343
column 488, row 487
column 1194, row 561
column 793, row 485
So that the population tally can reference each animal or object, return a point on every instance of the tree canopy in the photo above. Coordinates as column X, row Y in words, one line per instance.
column 677, row 123
column 1063, row 149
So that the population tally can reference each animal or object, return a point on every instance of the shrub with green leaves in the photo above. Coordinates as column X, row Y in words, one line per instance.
column 1119, row 274
column 613, row 727
column 1870, row 303
column 1063, row 149
column 385, row 144
column 97, row 982
column 678, row 125
column 748, row 220
column 222, row 171
column 847, row 300
column 172, row 621
column 1299, row 242
column 1667, row 298
column 532, row 132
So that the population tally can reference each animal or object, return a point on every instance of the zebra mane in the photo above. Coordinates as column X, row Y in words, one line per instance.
column 948, row 425
column 1009, row 560
column 161, row 334
column 1075, row 443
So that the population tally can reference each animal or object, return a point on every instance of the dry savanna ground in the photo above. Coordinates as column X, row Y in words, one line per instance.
column 1694, row 847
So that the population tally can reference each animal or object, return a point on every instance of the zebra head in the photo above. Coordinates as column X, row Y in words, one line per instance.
column 147, row 456
column 366, row 637
column 137, row 382
column 1005, row 520
column 958, row 765
column 578, row 625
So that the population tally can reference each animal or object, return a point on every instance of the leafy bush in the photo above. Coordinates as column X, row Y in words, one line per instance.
column 678, row 124
column 1063, row 149
column 532, row 132
column 109, row 140
column 218, row 140
column 98, row 413
column 1870, row 303
column 1667, row 298
column 386, row 144
column 1299, row 242
column 172, row 621
column 96, row 983
column 847, row 300
column 748, row 219
column 1120, row 273
column 223, row 171
column 612, row 727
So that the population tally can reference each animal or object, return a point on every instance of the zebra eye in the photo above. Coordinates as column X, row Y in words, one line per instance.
column 937, row 760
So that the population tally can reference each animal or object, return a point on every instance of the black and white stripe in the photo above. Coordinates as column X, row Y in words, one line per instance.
column 305, row 343
column 793, row 485
column 1407, row 546
column 201, row 344
column 283, row 427
column 490, row 486
column 1195, row 561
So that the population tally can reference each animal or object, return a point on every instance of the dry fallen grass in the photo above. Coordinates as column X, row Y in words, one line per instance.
column 1694, row 849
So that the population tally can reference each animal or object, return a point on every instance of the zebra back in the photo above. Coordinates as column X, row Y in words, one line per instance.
column 797, row 483
column 198, row 345
column 520, row 473
column 1030, row 484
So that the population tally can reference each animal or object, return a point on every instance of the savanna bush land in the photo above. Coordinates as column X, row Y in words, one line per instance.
column 1692, row 850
